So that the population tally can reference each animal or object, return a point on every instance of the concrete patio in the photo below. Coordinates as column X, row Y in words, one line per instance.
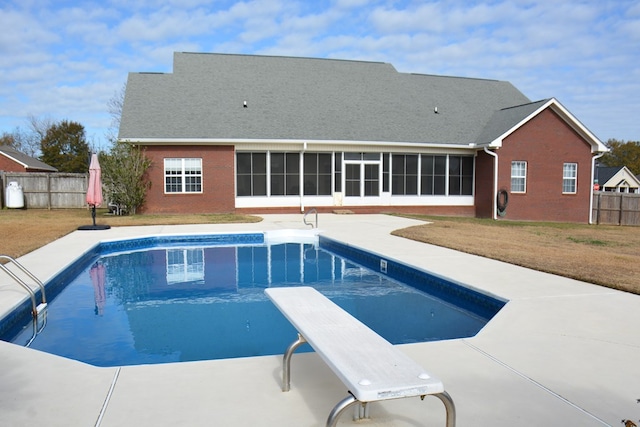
column 560, row 353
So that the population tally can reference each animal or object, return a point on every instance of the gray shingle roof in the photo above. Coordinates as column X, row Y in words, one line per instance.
column 308, row 99
column 505, row 119
column 26, row 161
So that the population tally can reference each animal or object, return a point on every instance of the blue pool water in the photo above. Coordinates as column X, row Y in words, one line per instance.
column 197, row 298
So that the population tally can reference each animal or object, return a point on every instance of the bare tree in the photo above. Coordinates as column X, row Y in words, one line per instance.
column 115, row 111
column 32, row 139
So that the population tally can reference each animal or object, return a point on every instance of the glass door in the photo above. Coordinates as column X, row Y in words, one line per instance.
column 362, row 179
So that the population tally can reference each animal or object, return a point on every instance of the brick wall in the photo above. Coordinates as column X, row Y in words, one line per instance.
column 546, row 142
column 218, row 181
column 9, row 165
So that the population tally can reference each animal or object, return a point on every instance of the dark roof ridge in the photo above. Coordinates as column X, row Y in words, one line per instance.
column 453, row 77
column 526, row 104
column 287, row 57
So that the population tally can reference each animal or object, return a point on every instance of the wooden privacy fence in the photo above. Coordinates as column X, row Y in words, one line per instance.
column 616, row 208
column 43, row 190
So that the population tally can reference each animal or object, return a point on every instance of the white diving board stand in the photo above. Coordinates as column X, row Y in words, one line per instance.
column 370, row 367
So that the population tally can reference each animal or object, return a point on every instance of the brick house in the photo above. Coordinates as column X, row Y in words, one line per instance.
column 616, row 179
column 244, row 133
column 12, row 160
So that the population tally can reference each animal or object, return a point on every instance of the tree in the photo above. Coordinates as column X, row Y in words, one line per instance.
column 623, row 154
column 124, row 168
column 9, row 140
column 124, row 175
column 64, row 147
column 115, row 111
column 23, row 141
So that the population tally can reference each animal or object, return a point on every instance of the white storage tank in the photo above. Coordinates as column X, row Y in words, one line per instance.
column 14, row 197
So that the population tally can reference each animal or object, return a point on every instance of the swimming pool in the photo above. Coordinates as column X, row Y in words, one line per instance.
column 181, row 298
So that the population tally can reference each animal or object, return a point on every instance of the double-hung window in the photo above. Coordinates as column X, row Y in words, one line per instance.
column 183, row 175
column 569, row 178
column 185, row 265
column 518, row 177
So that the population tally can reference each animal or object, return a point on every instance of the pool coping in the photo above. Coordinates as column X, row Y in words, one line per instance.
column 560, row 352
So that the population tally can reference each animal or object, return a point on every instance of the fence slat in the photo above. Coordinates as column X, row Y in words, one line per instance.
column 616, row 208
column 44, row 190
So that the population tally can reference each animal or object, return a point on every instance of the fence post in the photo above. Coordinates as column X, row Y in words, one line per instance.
column 2, row 180
column 620, row 211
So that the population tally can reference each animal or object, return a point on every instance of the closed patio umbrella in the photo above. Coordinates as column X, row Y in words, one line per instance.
column 94, row 193
column 97, row 275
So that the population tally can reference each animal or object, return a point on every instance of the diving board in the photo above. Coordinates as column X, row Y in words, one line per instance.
column 370, row 367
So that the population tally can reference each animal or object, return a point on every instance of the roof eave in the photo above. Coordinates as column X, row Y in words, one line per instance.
column 10, row 157
column 292, row 142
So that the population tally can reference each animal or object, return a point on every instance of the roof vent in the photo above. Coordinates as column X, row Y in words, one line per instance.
column 435, row 110
column 244, row 104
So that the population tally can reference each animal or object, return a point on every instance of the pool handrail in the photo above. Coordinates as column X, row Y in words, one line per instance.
column 36, row 308
column 304, row 218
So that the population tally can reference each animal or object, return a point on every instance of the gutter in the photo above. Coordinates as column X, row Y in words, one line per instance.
column 494, row 208
column 301, row 179
column 593, row 170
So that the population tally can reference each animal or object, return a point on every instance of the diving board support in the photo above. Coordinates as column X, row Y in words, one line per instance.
column 286, row 362
column 345, row 344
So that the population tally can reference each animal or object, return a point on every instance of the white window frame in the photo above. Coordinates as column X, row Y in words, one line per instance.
column 517, row 177
column 185, row 265
column 569, row 178
column 195, row 163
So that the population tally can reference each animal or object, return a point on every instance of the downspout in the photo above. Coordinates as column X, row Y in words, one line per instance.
column 301, row 180
column 494, row 208
column 593, row 170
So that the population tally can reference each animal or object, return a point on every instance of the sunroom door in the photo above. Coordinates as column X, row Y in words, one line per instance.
column 362, row 179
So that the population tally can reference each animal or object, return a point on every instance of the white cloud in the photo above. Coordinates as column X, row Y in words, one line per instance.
column 66, row 62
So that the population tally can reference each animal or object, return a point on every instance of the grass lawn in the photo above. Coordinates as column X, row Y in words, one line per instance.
column 604, row 255
column 22, row 231
column 600, row 254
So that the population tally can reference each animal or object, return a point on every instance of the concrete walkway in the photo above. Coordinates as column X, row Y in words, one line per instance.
column 560, row 353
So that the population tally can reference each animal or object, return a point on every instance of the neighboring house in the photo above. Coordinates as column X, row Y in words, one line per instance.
column 616, row 179
column 11, row 160
column 249, row 133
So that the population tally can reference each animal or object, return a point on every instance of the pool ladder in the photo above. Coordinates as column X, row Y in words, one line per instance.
column 38, row 311
column 304, row 218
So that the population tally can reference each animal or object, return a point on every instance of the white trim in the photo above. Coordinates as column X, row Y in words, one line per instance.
column 15, row 160
column 494, row 203
column 385, row 199
column 301, row 144
column 183, row 176
column 574, row 179
column 511, row 190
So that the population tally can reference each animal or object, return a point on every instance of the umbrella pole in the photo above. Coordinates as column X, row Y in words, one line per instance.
column 93, row 214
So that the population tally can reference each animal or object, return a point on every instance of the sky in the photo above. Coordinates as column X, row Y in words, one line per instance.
column 65, row 60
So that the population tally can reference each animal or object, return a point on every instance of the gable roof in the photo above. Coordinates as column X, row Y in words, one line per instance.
column 504, row 120
column 605, row 174
column 25, row 161
column 306, row 99
column 507, row 120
